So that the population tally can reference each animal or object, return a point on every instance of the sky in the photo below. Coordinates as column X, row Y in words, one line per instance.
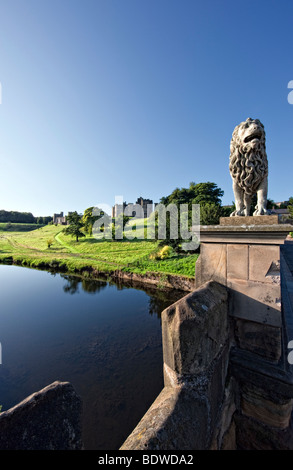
column 108, row 98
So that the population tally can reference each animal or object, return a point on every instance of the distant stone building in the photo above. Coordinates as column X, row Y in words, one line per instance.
column 279, row 211
column 133, row 210
column 282, row 203
column 118, row 209
column 147, row 205
column 59, row 219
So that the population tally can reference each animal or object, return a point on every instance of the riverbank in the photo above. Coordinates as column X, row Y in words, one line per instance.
column 125, row 261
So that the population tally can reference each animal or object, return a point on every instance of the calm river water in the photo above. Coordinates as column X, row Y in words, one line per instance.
column 103, row 338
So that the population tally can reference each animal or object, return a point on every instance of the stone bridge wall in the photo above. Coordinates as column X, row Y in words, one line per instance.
column 195, row 348
column 228, row 381
column 46, row 420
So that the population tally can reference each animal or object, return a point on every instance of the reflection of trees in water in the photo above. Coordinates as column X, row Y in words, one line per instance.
column 88, row 285
column 158, row 299
column 72, row 284
column 155, row 306
column 92, row 286
column 161, row 300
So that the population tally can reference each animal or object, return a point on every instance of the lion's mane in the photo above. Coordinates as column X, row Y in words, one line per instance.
column 248, row 162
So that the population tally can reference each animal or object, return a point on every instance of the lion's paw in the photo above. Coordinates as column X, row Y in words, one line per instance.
column 261, row 211
column 237, row 213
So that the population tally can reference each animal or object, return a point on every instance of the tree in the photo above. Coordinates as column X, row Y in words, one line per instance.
column 207, row 195
column 75, row 226
column 210, row 213
column 196, row 194
column 290, row 206
column 89, row 218
column 17, row 217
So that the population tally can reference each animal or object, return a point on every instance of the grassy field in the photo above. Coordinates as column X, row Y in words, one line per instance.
column 30, row 248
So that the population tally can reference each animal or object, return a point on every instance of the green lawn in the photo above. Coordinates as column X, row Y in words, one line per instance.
column 30, row 248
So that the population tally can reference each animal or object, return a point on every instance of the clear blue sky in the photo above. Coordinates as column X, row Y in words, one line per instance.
column 102, row 98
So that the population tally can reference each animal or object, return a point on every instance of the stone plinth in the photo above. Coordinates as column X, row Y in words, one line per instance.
column 246, row 259
column 251, row 220
column 274, row 219
column 256, row 234
column 246, row 254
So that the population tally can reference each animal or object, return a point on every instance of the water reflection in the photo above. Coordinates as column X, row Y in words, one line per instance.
column 106, row 340
column 73, row 283
column 157, row 297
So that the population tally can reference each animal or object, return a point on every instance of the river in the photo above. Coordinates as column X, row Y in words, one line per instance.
column 103, row 338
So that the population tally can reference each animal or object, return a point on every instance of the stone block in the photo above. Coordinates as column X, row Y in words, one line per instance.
column 264, row 340
column 264, row 263
column 184, row 415
column 255, row 301
column 229, row 438
column 195, row 328
column 198, row 274
column 251, row 434
column 177, row 420
column 266, row 411
column 213, row 263
column 237, row 261
column 250, row 220
column 248, row 234
column 224, row 435
column 46, row 420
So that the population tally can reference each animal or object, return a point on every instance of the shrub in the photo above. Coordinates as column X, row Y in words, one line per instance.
column 50, row 242
column 164, row 253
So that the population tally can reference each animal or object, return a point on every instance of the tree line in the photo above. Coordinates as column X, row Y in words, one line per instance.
column 208, row 195
column 23, row 218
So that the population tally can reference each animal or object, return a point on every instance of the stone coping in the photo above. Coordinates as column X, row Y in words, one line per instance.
column 274, row 219
column 260, row 234
column 286, row 228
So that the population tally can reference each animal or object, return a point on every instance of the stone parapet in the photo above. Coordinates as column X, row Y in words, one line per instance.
column 194, row 329
column 195, row 349
column 46, row 420
column 228, row 381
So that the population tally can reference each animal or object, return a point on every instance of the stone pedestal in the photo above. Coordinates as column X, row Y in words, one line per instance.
column 245, row 254
column 246, row 259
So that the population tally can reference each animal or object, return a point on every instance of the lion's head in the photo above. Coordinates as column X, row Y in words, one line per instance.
column 248, row 159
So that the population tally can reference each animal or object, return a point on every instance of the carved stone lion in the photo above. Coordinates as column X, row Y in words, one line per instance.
column 249, row 167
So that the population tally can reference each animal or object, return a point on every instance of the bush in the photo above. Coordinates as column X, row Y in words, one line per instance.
column 50, row 242
column 164, row 253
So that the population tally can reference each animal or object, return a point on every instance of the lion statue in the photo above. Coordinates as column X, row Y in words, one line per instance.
column 249, row 167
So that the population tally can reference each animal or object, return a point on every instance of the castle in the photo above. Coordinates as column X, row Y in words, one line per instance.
column 141, row 209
